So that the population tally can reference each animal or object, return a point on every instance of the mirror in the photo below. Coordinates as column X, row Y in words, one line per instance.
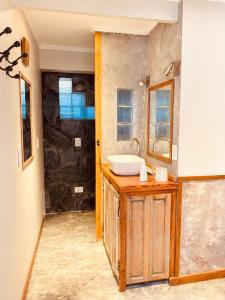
column 160, row 121
column 26, row 121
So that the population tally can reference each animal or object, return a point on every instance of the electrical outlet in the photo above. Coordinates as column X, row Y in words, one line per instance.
column 77, row 142
column 78, row 189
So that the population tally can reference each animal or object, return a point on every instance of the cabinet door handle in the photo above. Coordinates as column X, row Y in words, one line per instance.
column 98, row 143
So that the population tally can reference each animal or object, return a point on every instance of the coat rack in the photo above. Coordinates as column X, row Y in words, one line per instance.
column 4, row 56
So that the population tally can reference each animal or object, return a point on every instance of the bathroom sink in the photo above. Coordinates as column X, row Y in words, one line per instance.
column 125, row 164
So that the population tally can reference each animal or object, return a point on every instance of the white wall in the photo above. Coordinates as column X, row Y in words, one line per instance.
column 66, row 61
column 145, row 9
column 202, row 106
column 21, row 207
column 5, row 4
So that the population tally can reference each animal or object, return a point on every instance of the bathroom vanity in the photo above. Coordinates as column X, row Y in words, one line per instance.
column 138, row 228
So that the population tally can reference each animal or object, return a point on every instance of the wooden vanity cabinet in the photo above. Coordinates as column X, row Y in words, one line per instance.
column 148, row 237
column 138, row 231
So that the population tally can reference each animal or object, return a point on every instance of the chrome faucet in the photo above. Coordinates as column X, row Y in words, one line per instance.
column 135, row 140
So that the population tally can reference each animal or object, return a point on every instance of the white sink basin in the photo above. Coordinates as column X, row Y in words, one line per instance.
column 125, row 164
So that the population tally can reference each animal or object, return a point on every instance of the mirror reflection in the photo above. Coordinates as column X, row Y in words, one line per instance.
column 160, row 119
column 25, row 101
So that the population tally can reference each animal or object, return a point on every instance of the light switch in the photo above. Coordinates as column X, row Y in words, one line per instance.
column 19, row 156
column 37, row 143
column 78, row 189
column 174, row 152
column 77, row 142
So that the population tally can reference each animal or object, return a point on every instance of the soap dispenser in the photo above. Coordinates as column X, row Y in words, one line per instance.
column 143, row 172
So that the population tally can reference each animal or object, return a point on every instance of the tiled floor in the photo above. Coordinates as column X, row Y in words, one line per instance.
column 70, row 265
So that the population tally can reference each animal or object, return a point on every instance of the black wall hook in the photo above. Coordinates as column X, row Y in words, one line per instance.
column 7, row 30
column 4, row 56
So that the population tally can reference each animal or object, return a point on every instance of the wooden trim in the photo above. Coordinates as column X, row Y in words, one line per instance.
column 201, row 178
column 197, row 277
column 30, row 159
column 123, row 234
column 26, row 286
column 98, row 132
column 172, row 234
column 178, row 228
column 149, row 153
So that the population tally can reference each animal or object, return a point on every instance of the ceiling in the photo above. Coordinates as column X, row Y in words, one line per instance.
column 74, row 32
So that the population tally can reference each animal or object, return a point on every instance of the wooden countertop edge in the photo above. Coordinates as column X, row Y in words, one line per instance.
column 157, row 186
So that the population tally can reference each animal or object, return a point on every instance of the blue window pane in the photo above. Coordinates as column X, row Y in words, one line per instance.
column 124, row 132
column 163, row 98
column 78, row 99
column 78, row 112
column 65, row 99
column 72, row 105
column 65, row 85
column 163, row 115
column 89, row 113
column 124, row 114
column 163, row 132
column 23, row 99
column 124, row 97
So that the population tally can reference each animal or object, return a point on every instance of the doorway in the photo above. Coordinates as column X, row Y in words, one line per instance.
column 69, row 141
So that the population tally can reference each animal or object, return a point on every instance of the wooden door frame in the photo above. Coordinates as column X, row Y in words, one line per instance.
column 98, row 133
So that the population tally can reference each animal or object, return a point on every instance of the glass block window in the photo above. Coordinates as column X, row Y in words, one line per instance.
column 124, row 115
column 73, row 105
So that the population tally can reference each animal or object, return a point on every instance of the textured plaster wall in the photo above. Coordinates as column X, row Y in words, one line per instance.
column 164, row 47
column 21, row 191
column 203, row 227
column 123, row 65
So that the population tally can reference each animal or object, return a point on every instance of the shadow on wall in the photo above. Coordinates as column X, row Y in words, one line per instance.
column 67, row 166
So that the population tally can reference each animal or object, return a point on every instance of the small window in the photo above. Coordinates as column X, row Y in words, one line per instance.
column 124, row 115
column 73, row 105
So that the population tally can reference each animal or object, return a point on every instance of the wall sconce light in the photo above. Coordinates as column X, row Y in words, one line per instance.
column 144, row 82
column 168, row 69
column 175, row 67
column 4, row 56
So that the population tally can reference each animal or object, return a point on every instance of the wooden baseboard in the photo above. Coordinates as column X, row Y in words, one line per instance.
column 197, row 277
column 25, row 289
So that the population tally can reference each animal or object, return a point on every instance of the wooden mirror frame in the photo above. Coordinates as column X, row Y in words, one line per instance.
column 149, row 152
column 30, row 159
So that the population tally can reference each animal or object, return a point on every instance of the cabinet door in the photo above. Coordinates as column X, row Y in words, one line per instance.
column 137, row 239
column 160, row 210
column 111, row 224
column 148, row 238
column 106, row 227
column 115, row 233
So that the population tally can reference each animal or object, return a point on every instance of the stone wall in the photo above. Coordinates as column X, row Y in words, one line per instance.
column 65, row 165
